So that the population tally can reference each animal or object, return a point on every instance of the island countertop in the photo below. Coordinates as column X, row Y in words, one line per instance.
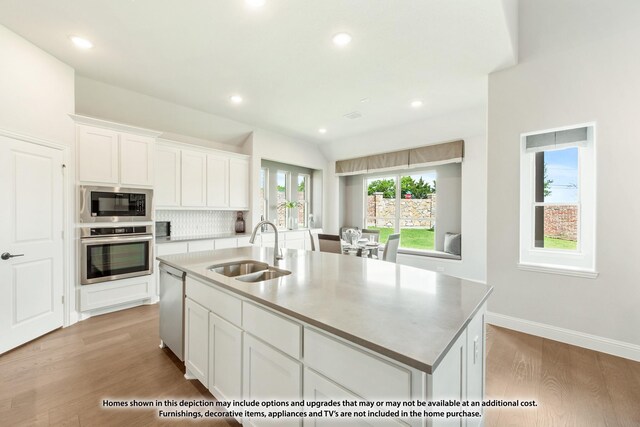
column 405, row 313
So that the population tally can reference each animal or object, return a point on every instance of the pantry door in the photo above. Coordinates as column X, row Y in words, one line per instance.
column 31, row 243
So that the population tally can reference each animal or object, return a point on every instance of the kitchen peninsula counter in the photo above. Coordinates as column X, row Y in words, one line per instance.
column 407, row 314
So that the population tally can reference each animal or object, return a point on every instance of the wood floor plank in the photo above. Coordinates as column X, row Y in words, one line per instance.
column 62, row 378
column 623, row 388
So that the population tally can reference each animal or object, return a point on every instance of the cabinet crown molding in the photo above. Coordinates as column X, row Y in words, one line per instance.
column 201, row 148
column 120, row 127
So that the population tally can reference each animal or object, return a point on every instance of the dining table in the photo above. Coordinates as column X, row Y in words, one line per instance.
column 362, row 248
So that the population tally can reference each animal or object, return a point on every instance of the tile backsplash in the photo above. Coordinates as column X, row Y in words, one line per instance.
column 197, row 223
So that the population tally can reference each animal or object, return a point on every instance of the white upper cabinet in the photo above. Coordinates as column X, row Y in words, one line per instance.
column 194, row 178
column 115, row 154
column 136, row 160
column 167, row 189
column 217, row 181
column 97, row 155
column 239, row 183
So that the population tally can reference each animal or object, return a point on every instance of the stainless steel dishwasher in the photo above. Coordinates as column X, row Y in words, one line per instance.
column 172, row 309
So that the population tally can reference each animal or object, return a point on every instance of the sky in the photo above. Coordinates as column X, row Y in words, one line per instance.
column 562, row 168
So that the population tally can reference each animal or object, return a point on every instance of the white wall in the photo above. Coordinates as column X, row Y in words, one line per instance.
column 36, row 91
column 279, row 148
column 469, row 125
column 37, row 97
column 579, row 63
column 179, row 123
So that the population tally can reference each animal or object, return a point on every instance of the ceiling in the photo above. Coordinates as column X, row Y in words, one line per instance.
column 281, row 58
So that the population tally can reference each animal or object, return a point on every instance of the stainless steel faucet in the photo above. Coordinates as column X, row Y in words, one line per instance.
column 277, row 254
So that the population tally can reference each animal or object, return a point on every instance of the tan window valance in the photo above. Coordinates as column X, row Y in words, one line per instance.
column 430, row 155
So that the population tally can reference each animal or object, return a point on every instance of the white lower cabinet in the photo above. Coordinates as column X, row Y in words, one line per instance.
column 225, row 359
column 196, row 340
column 242, row 350
column 318, row 388
column 270, row 374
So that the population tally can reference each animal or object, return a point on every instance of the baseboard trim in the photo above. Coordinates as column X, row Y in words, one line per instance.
column 567, row 336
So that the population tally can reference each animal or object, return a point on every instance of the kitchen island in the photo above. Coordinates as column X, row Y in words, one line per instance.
column 336, row 327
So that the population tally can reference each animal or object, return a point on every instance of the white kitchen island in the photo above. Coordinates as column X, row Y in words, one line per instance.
column 337, row 327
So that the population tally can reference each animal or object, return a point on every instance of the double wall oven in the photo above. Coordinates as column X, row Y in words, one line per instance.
column 108, row 251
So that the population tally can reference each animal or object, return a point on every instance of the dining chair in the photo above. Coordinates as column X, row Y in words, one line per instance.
column 313, row 239
column 391, row 248
column 329, row 243
column 345, row 228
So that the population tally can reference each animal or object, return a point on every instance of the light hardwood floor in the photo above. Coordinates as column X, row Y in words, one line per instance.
column 61, row 378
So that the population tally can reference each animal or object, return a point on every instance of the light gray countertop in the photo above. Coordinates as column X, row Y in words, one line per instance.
column 405, row 313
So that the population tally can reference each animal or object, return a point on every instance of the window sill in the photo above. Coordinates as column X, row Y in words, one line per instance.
column 563, row 271
column 430, row 254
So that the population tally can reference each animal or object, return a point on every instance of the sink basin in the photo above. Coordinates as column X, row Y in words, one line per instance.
column 239, row 268
column 260, row 276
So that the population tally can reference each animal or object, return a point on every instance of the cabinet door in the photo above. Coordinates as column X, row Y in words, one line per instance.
column 167, row 176
column 269, row 374
column 225, row 359
column 217, row 181
column 97, row 155
column 136, row 160
column 320, row 388
column 194, row 178
column 226, row 243
column 196, row 341
column 239, row 183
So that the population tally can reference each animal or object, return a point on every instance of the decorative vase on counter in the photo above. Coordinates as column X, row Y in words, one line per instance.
column 239, row 222
column 292, row 221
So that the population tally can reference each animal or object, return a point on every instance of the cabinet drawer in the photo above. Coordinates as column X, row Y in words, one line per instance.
column 220, row 303
column 226, row 243
column 244, row 241
column 172, row 248
column 281, row 333
column 364, row 374
column 201, row 245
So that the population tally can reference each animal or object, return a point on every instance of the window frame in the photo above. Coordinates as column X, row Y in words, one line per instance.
column 305, row 202
column 265, row 192
column 397, row 176
column 287, row 196
column 579, row 262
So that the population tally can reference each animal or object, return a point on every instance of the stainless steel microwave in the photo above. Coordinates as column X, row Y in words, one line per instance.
column 115, row 204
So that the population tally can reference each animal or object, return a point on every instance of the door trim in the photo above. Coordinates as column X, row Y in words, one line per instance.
column 68, row 203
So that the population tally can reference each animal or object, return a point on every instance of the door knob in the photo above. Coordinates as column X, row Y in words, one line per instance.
column 5, row 256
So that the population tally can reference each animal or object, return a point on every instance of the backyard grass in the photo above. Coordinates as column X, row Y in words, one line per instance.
column 414, row 238
column 553, row 243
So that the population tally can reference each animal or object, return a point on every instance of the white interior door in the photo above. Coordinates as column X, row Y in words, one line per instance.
column 31, row 264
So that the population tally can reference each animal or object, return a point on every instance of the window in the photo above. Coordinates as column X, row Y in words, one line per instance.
column 557, row 199
column 303, row 199
column 403, row 204
column 264, row 193
column 282, row 180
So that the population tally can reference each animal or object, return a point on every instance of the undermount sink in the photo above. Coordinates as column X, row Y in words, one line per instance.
column 260, row 276
column 239, row 268
column 249, row 271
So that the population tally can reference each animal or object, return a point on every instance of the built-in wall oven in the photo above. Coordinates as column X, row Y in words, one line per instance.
column 111, row 253
column 115, row 204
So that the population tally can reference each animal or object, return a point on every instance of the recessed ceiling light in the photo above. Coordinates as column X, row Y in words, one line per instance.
column 81, row 42
column 322, row 130
column 236, row 99
column 341, row 39
column 255, row 4
column 416, row 104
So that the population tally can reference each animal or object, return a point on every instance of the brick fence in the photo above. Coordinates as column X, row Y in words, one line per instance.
column 561, row 222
